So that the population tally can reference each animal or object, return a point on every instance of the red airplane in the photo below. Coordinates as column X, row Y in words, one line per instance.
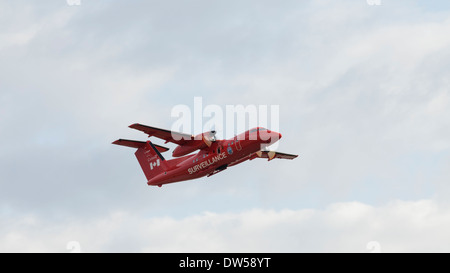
column 213, row 156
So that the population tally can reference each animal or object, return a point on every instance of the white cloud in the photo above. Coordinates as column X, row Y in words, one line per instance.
column 398, row 226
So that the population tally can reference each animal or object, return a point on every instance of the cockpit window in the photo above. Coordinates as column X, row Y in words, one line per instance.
column 210, row 137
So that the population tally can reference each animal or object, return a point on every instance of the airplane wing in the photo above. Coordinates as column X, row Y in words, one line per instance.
column 264, row 154
column 272, row 154
column 167, row 135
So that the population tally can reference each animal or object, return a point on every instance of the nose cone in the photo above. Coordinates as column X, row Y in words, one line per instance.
column 274, row 137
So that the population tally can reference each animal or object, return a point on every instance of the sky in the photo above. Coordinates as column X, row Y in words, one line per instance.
column 363, row 96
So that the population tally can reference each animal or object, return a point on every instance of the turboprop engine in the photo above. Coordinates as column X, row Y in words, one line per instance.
column 201, row 141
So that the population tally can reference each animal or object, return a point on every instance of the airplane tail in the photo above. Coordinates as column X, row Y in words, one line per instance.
column 148, row 155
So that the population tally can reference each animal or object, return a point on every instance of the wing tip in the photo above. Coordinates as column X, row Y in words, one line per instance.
column 117, row 142
column 134, row 125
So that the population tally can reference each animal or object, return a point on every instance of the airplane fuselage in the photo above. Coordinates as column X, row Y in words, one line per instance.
column 213, row 155
column 217, row 157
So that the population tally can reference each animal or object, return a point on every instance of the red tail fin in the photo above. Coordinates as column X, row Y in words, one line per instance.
column 148, row 155
column 151, row 160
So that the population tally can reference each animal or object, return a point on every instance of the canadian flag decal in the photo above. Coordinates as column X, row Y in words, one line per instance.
column 154, row 164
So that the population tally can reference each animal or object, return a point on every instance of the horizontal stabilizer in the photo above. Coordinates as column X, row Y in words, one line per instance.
column 138, row 144
column 168, row 136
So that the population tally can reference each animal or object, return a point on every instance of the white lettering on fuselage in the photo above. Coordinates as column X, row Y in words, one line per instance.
column 204, row 164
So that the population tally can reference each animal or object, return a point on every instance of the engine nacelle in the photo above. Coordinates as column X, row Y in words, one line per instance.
column 200, row 141
column 185, row 149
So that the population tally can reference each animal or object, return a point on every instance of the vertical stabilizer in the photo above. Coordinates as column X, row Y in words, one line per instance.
column 151, row 160
column 148, row 155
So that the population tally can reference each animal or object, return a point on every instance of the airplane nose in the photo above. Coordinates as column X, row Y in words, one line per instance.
column 274, row 136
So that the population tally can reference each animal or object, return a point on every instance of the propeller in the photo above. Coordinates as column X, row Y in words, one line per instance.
column 209, row 137
column 270, row 154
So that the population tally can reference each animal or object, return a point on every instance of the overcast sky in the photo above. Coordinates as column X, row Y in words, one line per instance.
column 364, row 99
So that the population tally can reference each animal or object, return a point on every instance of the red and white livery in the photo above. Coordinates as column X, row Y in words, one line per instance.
column 212, row 157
